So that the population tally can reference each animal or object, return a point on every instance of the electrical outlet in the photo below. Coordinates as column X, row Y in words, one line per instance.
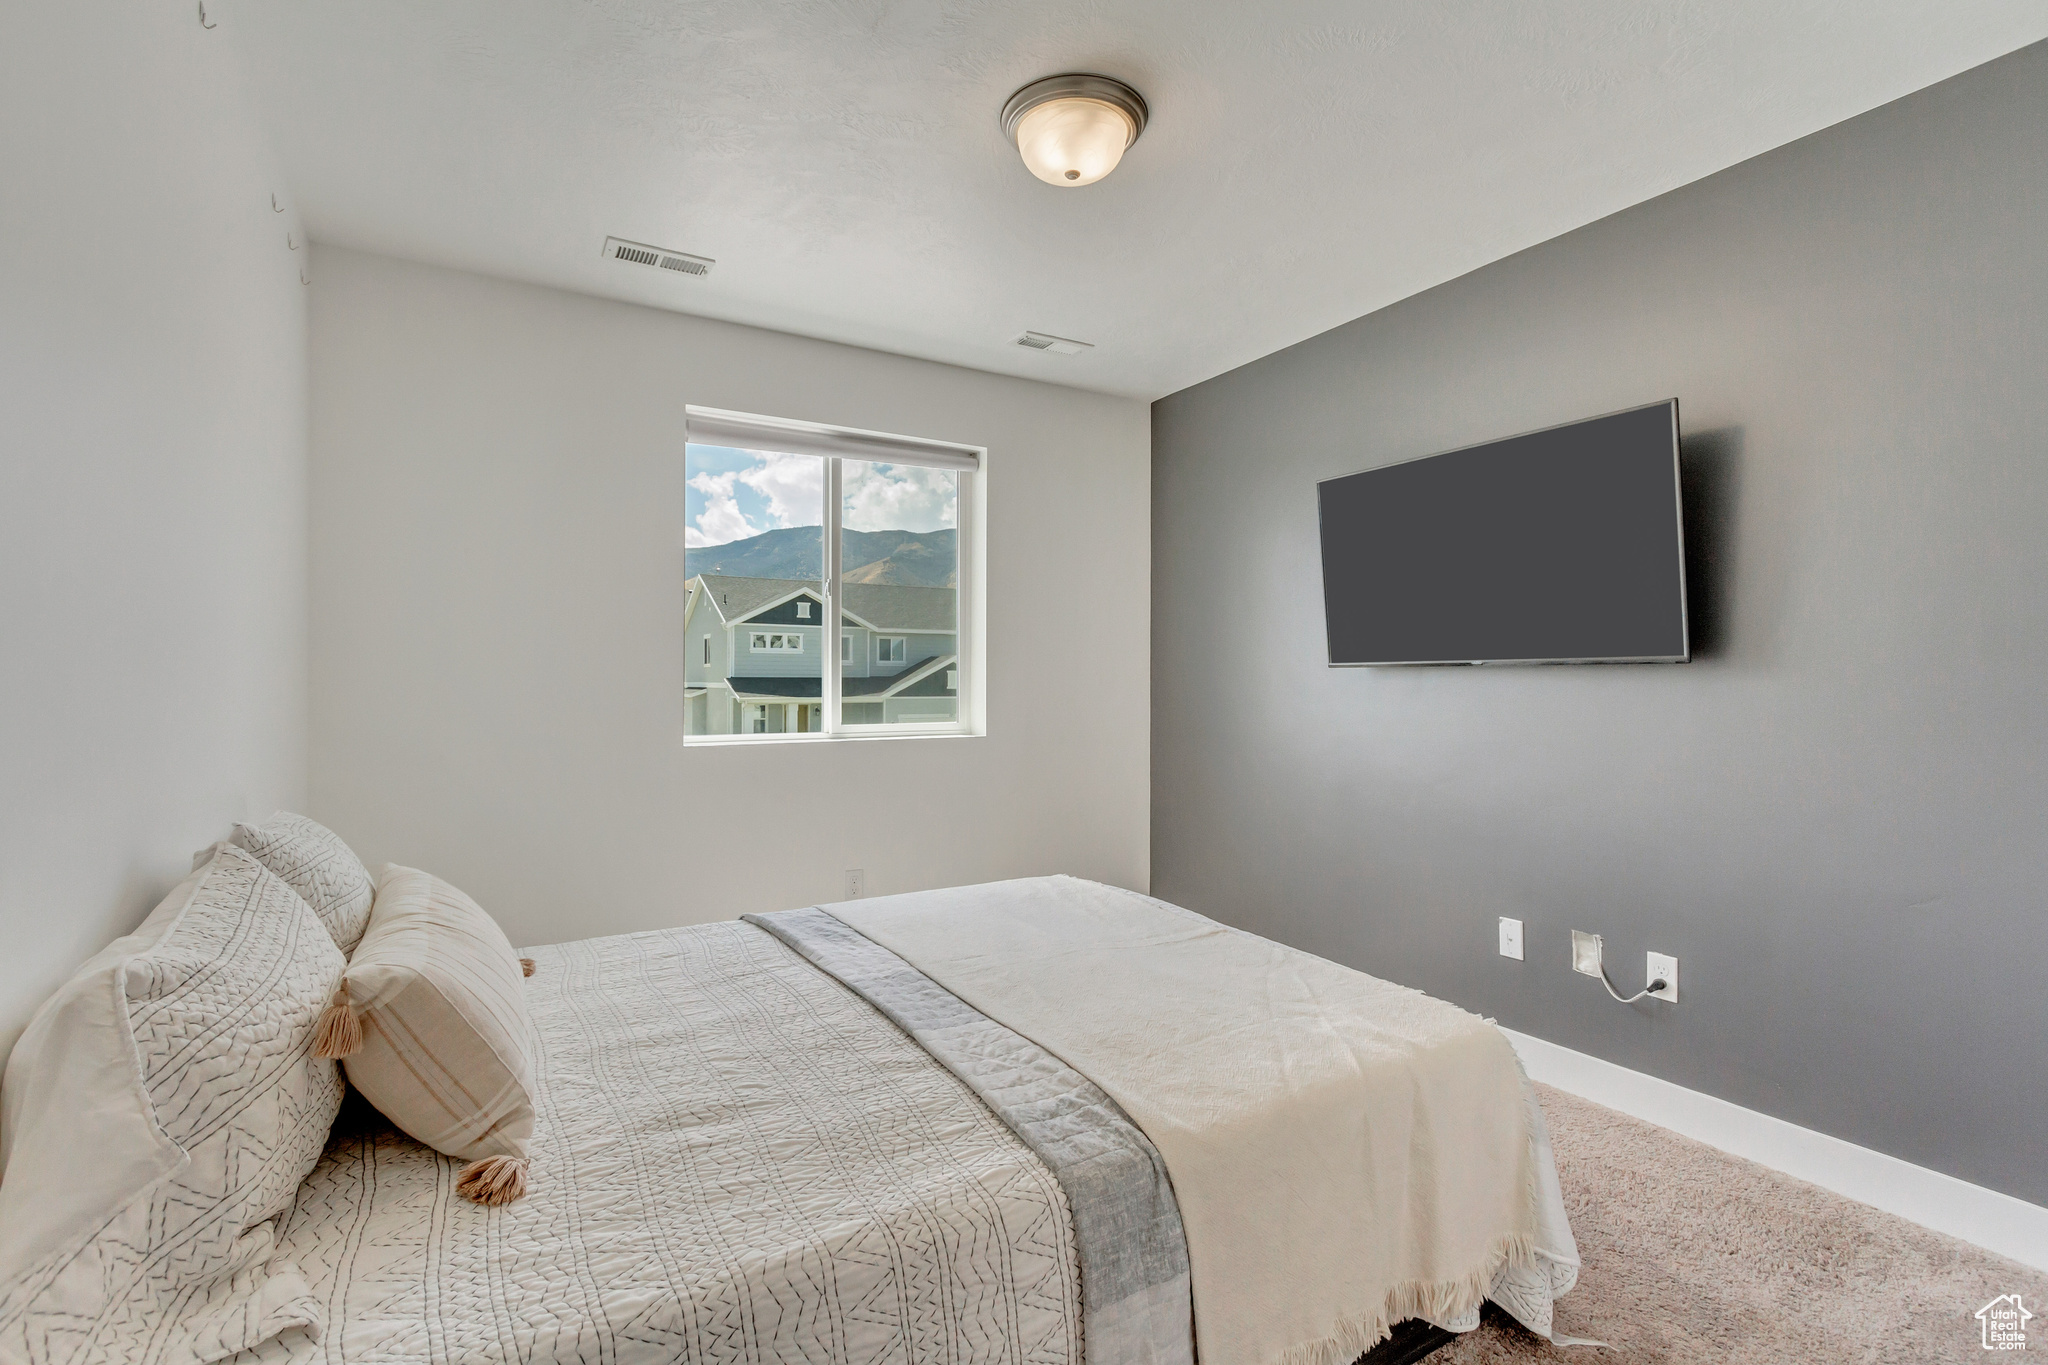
column 1585, row 953
column 1511, row 938
column 1665, row 966
column 856, row 883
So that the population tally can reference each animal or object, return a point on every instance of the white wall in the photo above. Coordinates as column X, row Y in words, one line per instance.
column 152, row 475
column 497, row 587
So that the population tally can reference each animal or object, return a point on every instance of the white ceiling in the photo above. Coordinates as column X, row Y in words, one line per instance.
column 1308, row 161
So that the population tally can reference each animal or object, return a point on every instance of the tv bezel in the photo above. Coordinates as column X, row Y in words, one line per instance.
column 1678, row 512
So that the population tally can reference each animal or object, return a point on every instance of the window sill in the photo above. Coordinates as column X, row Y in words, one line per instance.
column 856, row 737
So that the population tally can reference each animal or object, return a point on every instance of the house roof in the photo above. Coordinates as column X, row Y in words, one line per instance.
column 927, row 679
column 899, row 606
column 788, row 689
column 880, row 606
column 738, row 598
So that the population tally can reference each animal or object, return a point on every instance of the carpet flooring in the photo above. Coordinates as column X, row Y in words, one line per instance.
column 1694, row 1255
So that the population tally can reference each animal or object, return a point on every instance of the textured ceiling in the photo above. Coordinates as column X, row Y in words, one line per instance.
column 1307, row 161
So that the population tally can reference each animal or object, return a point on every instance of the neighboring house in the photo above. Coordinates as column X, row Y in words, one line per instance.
column 753, row 662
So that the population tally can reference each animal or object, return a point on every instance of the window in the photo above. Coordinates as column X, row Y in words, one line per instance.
column 707, row 650
column 783, row 516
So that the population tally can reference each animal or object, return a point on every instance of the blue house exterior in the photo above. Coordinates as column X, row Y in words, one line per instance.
column 754, row 662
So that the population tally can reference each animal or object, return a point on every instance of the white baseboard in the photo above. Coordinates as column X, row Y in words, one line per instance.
column 1998, row 1222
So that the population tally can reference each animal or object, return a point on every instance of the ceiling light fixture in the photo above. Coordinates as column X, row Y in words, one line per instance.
column 1072, row 130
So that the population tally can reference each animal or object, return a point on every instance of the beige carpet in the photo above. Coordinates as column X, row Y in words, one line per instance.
column 1694, row 1255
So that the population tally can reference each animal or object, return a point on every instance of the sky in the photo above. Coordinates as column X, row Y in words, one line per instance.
column 732, row 494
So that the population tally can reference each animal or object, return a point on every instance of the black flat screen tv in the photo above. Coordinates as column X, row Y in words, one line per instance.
column 1557, row 546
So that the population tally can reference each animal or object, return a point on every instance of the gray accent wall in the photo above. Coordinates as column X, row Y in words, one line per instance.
column 1837, row 815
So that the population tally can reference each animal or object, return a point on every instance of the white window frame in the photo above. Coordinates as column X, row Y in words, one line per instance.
column 751, row 431
column 763, row 642
column 882, row 643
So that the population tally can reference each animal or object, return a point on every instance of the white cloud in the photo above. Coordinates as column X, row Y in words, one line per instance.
column 899, row 497
column 721, row 520
column 878, row 498
column 794, row 486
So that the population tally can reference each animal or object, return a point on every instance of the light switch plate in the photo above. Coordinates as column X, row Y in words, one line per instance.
column 1666, row 966
column 1511, row 938
column 1585, row 953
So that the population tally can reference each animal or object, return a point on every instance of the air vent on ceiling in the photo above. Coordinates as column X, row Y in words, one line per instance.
column 639, row 253
column 1039, row 341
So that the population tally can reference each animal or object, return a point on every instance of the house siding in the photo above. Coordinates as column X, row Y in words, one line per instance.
column 704, row 625
column 917, row 649
column 749, row 662
column 861, row 665
column 788, row 614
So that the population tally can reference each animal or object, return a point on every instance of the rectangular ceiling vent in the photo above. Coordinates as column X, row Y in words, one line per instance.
column 639, row 253
column 1040, row 341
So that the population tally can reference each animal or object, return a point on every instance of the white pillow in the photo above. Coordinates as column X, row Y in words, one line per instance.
column 314, row 862
column 160, row 1111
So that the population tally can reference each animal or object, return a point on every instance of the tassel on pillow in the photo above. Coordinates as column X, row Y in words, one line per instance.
column 339, row 1033
column 493, row 1180
column 526, row 965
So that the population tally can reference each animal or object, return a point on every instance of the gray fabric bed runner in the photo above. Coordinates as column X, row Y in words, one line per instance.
column 1135, row 1304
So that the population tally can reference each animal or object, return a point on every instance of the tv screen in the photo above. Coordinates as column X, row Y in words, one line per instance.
column 1558, row 546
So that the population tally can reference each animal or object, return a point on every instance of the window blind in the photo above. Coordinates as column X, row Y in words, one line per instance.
column 746, row 431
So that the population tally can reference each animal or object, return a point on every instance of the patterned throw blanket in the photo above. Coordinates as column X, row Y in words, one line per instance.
column 736, row 1160
column 1134, row 1260
column 1345, row 1152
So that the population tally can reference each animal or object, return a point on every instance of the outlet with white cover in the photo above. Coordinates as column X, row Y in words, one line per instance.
column 1660, row 970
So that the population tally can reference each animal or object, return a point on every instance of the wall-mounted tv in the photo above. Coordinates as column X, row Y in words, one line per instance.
column 1557, row 546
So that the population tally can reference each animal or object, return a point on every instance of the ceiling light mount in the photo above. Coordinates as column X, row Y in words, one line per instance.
column 1072, row 130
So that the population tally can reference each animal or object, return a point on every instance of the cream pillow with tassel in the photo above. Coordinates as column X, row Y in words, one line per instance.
column 430, row 1023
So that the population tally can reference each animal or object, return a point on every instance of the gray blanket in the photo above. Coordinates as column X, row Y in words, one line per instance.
column 1133, row 1255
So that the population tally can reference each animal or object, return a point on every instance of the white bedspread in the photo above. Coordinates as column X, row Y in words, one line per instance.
column 735, row 1160
column 1346, row 1152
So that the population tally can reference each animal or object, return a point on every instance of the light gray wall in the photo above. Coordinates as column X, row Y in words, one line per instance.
column 152, row 474
column 497, row 587
column 1837, row 816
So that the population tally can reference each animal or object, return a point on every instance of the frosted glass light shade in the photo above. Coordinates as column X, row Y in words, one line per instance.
column 1074, row 141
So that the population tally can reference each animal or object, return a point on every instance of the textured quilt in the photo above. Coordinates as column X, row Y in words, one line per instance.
column 735, row 1159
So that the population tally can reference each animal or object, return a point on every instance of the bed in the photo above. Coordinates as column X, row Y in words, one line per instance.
column 776, row 1140
column 1038, row 1122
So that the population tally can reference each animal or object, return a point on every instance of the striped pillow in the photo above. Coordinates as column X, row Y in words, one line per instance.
column 431, row 1019
column 314, row 862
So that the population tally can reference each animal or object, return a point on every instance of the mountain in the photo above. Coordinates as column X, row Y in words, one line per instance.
column 926, row 559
